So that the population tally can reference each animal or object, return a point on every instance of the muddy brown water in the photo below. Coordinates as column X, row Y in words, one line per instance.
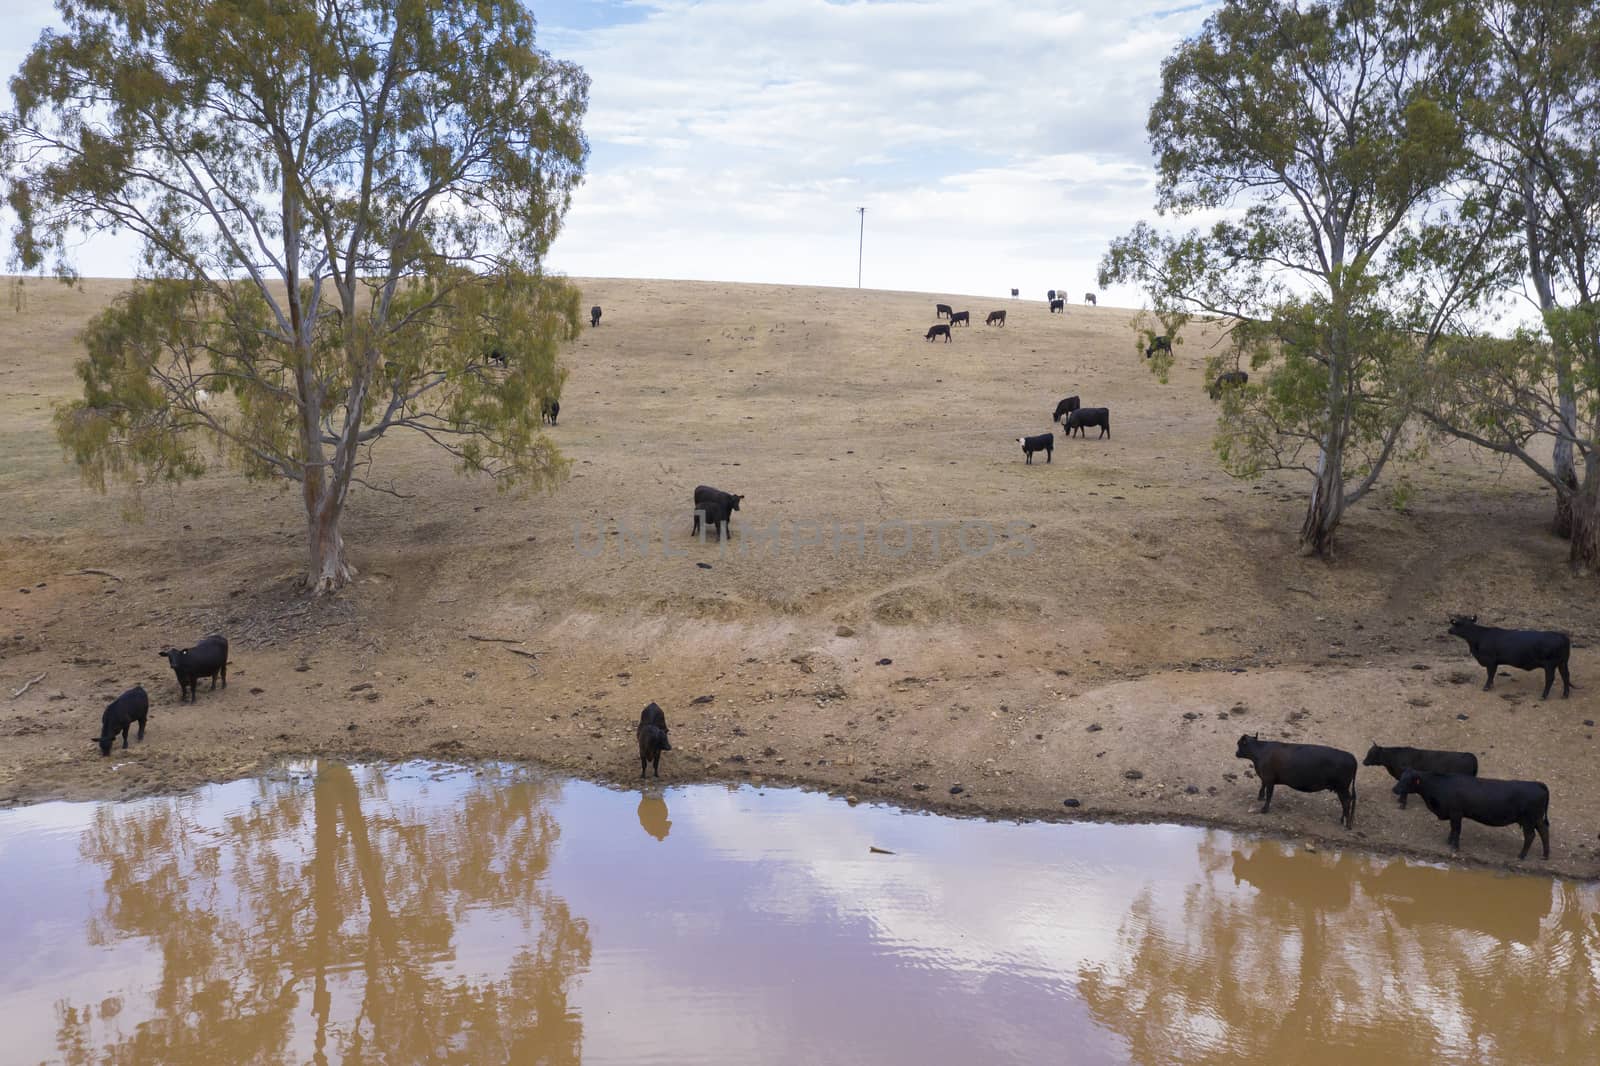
column 440, row 914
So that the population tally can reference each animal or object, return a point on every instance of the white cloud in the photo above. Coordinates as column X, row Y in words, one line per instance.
column 992, row 144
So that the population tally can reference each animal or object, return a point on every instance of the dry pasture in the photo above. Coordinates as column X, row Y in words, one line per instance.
column 1160, row 612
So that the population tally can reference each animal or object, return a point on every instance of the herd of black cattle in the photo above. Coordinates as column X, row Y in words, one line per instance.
column 1072, row 416
column 1447, row 781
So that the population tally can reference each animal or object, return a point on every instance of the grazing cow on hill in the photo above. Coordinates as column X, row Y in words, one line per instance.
column 1015, row 293
column 941, row 311
column 1058, row 305
column 961, row 318
column 652, row 738
column 1398, row 760
column 120, row 714
column 1088, row 298
column 996, row 318
column 1304, row 768
column 1160, row 344
column 594, row 316
column 1525, row 649
column 1051, row 295
column 208, row 658
column 497, row 357
column 1228, row 380
column 1065, row 407
column 941, row 330
column 549, row 410
column 1043, row 442
column 716, row 507
column 1083, row 417
column 1452, row 797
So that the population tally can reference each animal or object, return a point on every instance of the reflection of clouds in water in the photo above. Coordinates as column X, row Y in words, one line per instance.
column 954, row 894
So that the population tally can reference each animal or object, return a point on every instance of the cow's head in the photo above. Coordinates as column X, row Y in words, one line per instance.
column 1461, row 624
column 1408, row 783
column 734, row 504
column 1374, row 756
column 105, row 743
column 172, row 655
column 1247, row 746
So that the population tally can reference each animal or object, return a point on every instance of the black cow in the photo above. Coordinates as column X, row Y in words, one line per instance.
column 1043, row 442
column 1051, row 295
column 1398, row 760
column 120, row 714
column 1065, row 407
column 1452, row 797
column 1088, row 298
column 1015, row 293
column 208, row 658
column 1525, row 649
column 1058, row 305
column 996, row 318
column 1304, row 768
column 941, row 330
column 1160, row 344
column 941, row 311
column 549, row 410
column 652, row 738
column 1089, row 416
column 1228, row 380
column 594, row 316
column 497, row 357
column 961, row 318
column 716, row 507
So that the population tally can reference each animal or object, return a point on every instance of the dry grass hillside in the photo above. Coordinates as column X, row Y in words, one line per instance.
column 1162, row 601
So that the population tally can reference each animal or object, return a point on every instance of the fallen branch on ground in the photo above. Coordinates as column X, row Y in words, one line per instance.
column 493, row 640
column 524, row 654
column 94, row 570
column 29, row 685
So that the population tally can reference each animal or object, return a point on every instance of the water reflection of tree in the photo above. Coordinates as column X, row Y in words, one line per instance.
column 325, row 888
column 1328, row 955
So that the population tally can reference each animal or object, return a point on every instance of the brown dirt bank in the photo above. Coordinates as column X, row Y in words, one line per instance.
column 1162, row 601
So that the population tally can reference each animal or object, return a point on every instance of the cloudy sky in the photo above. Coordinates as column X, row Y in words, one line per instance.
column 992, row 144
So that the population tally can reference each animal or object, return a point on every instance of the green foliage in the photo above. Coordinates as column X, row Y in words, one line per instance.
column 343, row 205
column 1318, row 136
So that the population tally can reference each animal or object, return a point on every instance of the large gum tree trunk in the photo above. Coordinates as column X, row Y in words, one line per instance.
column 1327, row 502
column 1585, row 553
column 1565, row 468
column 330, row 569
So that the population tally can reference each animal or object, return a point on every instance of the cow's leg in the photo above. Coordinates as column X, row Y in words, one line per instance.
column 1267, row 787
column 1049, row 455
column 656, row 762
column 1527, row 839
column 695, row 532
column 1454, row 839
column 141, row 727
column 1347, row 805
column 644, row 760
column 1549, row 680
column 224, row 675
column 1566, row 680
column 125, row 735
column 1544, row 835
column 1489, row 684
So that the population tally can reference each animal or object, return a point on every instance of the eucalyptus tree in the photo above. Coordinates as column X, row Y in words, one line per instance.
column 1534, row 118
column 343, row 208
column 1313, row 138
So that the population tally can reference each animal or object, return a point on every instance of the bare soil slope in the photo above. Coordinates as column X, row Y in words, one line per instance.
column 1160, row 612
